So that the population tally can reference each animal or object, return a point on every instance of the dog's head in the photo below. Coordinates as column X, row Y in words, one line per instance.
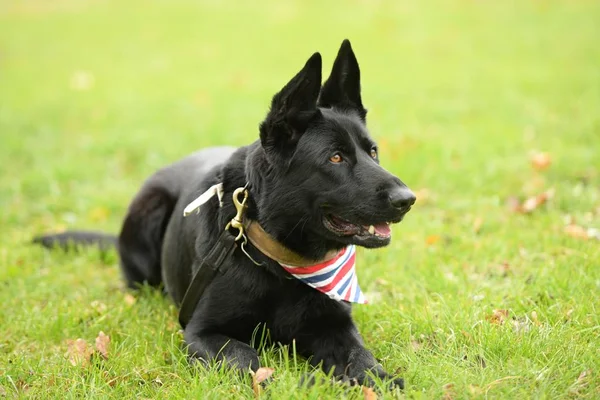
column 322, row 179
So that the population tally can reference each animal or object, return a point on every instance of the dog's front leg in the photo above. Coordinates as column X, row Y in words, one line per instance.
column 207, row 347
column 343, row 352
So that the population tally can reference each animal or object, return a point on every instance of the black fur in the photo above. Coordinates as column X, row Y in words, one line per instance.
column 294, row 189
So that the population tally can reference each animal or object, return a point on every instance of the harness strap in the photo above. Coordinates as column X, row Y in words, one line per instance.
column 204, row 275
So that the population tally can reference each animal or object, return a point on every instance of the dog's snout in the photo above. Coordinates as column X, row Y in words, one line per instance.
column 402, row 197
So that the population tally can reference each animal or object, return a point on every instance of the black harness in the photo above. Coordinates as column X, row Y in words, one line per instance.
column 206, row 272
column 216, row 257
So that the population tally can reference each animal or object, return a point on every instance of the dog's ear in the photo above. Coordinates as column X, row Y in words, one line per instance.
column 342, row 88
column 292, row 110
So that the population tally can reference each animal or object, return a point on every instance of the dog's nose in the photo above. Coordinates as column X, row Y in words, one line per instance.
column 402, row 197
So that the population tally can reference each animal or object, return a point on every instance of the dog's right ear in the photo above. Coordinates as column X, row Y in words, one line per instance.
column 292, row 110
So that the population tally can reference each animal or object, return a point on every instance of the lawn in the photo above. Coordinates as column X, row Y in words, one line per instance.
column 477, row 106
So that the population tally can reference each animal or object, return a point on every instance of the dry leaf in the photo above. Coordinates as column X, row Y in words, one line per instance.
column 580, row 232
column 448, row 391
column 369, row 393
column 498, row 317
column 583, row 376
column 259, row 376
column 102, row 342
column 477, row 224
column 129, row 299
column 540, row 161
column 532, row 203
column 432, row 239
column 79, row 352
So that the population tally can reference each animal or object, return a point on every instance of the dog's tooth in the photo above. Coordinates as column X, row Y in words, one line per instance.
column 372, row 230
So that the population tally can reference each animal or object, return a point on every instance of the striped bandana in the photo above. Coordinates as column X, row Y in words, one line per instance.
column 336, row 277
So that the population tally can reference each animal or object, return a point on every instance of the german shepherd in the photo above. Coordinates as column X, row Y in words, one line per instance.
column 314, row 187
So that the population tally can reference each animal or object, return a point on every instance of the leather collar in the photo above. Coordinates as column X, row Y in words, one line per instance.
column 273, row 249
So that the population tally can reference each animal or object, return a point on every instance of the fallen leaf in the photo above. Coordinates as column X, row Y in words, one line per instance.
column 102, row 342
column 533, row 203
column 259, row 376
column 497, row 317
column 540, row 161
column 79, row 352
column 448, row 389
column 432, row 239
column 369, row 393
column 129, row 299
column 580, row 232
column 584, row 376
column 576, row 231
column 477, row 225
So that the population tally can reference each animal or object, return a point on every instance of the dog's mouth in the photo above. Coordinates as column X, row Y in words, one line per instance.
column 342, row 227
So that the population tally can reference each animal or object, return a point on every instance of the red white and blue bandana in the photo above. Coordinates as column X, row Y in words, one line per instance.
column 336, row 277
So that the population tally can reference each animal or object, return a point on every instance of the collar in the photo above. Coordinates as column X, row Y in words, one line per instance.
column 334, row 275
column 271, row 248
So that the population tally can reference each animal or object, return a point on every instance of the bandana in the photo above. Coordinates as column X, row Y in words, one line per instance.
column 336, row 277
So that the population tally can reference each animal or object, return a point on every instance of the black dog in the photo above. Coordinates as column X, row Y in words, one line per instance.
column 314, row 187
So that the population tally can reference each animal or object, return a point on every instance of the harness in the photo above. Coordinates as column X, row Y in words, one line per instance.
column 221, row 251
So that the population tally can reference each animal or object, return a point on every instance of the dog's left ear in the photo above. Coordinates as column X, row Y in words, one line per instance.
column 292, row 110
column 342, row 89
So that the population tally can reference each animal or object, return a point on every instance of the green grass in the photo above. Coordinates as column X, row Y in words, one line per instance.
column 459, row 95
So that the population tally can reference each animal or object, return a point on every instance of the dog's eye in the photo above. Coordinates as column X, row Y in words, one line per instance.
column 336, row 158
column 374, row 153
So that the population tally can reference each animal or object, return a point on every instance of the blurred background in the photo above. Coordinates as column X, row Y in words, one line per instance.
column 488, row 110
column 96, row 95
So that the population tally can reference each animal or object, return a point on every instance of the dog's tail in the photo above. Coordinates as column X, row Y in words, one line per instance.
column 73, row 239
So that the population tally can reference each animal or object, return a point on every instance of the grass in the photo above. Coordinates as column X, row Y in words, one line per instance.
column 96, row 95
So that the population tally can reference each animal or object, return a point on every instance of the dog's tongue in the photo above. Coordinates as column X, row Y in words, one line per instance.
column 382, row 229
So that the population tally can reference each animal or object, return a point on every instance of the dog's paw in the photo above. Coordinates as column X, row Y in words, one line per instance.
column 397, row 383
